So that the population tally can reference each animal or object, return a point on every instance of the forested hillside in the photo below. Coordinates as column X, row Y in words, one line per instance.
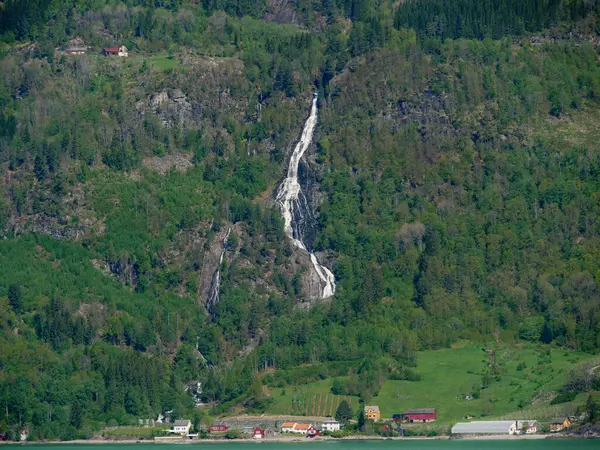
column 454, row 181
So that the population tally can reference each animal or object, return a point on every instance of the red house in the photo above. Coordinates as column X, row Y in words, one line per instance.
column 218, row 428
column 420, row 415
column 259, row 433
column 312, row 432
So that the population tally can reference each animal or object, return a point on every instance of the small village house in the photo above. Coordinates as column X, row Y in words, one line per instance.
column 116, row 51
column 422, row 415
column 220, row 428
column 331, row 425
column 560, row 424
column 301, row 428
column 372, row 413
column 76, row 50
column 528, row 426
column 76, row 47
column 288, row 427
column 181, row 427
column 259, row 433
column 312, row 432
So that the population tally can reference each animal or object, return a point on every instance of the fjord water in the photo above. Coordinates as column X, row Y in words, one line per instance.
column 537, row 444
column 294, row 206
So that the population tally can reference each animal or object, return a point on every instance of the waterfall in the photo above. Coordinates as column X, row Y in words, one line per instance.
column 294, row 206
column 213, row 297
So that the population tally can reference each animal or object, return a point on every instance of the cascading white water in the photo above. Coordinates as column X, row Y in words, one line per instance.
column 213, row 297
column 293, row 204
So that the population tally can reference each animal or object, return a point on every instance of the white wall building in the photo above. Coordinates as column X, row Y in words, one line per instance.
column 181, row 427
column 331, row 425
column 528, row 426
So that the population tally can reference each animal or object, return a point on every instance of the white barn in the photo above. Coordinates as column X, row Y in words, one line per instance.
column 486, row 427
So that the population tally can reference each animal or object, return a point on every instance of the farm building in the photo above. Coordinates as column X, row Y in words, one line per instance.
column 116, row 51
column 288, row 427
column 560, row 424
column 301, row 428
column 486, row 427
column 221, row 428
column 420, row 415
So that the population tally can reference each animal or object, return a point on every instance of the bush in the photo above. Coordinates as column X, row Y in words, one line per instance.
column 563, row 397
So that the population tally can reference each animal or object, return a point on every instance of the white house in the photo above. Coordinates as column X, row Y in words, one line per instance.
column 528, row 426
column 23, row 435
column 301, row 428
column 288, row 427
column 181, row 427
column 486, row 427
column 330, row 425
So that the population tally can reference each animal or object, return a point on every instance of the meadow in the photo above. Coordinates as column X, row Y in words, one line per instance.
column 451, row 382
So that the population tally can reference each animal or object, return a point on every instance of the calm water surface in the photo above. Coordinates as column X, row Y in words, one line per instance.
column 542, row 444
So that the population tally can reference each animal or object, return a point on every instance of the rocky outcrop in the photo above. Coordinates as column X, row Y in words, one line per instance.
column 125, row 270
column 181, row 162
column 171, row 107
column 281, row 11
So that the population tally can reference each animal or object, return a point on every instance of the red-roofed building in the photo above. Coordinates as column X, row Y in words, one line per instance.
column 312, row 432
column 116, row 51
column 218, row 428
column 420, row 415
column 259, row 433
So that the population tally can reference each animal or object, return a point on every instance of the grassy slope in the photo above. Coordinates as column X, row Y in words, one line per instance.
column 454, row 372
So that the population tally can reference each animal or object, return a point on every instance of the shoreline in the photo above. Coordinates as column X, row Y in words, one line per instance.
column 293, row 439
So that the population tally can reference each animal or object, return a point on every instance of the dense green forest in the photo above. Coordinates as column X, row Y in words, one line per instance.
column 455, row 159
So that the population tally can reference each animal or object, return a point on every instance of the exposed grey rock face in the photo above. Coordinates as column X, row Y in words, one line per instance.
column 281, row 11
column 171, row 107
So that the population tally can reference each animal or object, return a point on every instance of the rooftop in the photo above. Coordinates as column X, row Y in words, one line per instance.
column 421, row 411
column 483, row 427
column 373, row 408
column 302, row 426
column 288, row 424
column 182, row 423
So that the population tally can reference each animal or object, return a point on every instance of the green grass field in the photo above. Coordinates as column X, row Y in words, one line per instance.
column 447, row 377
column 163, row 62
column 314, row 399
column 137, row 432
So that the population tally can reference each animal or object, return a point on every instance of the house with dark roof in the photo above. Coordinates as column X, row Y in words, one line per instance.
column 559, row 424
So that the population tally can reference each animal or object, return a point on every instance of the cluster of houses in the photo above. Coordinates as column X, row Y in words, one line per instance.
column 424, row 415
column 310, row 430
column 421, row 415
column 510, row 427
column 78, row 47
column 496, row 427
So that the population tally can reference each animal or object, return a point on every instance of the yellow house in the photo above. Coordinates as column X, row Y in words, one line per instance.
column 560, row 424
column 372, row 413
